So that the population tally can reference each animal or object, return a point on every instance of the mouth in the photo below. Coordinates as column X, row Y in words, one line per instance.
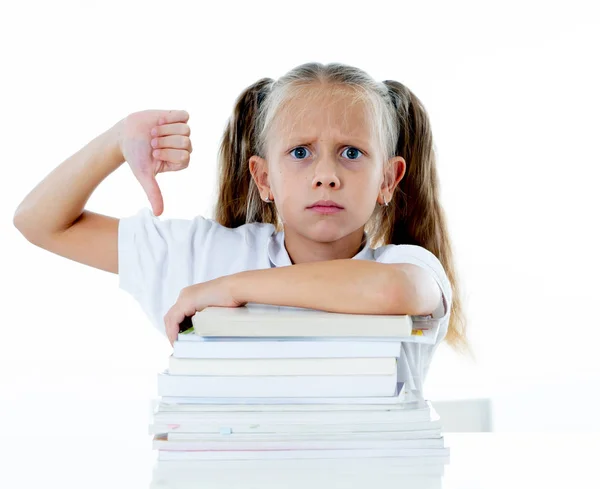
column 325, row 207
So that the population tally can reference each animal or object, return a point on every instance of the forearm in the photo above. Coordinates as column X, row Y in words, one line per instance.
column 346, row 286
column 59, row 199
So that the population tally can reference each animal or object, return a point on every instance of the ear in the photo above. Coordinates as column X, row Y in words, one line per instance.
column 260, row 174
column 393, row 172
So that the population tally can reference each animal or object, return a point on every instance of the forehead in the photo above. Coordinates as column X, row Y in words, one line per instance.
column 323, row 112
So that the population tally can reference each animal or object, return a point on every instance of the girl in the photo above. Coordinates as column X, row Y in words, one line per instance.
column 324, row 169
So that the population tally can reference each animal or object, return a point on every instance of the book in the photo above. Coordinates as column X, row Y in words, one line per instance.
column 402, row 396
column 163, row 406
column 161, row 442
column 301, row 437
column 300, row 454
column 277, row 386
column 294, row 417
column 292, row 470
column 195, row 346
column 216, row 427
column 270, row 321
column 282, row 366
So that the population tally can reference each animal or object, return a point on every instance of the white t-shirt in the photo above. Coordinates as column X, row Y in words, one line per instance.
column 159, row 257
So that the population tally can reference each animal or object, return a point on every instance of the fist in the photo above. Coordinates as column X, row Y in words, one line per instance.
column 152, row 142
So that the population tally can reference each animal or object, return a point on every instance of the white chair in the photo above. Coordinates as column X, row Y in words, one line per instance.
column 464, row 415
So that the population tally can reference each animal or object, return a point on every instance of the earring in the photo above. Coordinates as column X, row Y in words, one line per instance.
column 267, row 200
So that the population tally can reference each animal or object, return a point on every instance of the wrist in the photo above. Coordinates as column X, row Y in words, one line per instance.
column 236, row 283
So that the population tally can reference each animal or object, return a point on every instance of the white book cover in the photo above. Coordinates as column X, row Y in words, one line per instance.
column 161, row 442
column 294, row 417
column 327, row 417
column 301, row 437
column 194, row 346
column 282, row 366
column 272, row 321
column 402, row 395
column 301, row 454
column 284, row 428
column 277, row 386
column 160, row 406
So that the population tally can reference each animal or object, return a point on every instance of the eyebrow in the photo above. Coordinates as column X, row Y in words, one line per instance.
column 306, row 139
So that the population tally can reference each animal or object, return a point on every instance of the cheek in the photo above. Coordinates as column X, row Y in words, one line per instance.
column 370, row 182
column 288, row 183
column 286, row 189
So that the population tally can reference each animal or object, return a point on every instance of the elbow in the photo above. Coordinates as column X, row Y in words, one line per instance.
column 18, row 223
column 19, row 220
column 16, row 218
column 25, row 228
column 412, row 291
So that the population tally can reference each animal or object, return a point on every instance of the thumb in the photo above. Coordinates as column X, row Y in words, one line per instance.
column 150, row 186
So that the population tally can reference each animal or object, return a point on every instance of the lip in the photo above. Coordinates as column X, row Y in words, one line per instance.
column 326, row 203
column 326, row 207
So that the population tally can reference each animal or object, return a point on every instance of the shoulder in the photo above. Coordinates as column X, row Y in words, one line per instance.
column 405, row 253
column 163, row 229
column 200, row 234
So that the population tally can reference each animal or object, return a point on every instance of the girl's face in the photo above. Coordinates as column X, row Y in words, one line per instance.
column 321, row 149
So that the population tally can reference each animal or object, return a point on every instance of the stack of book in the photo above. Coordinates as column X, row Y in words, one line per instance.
column 259, row 383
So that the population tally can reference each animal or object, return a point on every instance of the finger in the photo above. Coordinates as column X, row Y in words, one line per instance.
column 174, row 142
column 170, row 116
column 167, row 129
column 177, row 156
column 171, row 334
column 168, row 327
column 152, row 190
column 172, row 325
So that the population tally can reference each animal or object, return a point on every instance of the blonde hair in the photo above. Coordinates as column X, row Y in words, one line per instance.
column 414, row 216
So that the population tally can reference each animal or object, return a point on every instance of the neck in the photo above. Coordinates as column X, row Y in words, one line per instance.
column 302, row 249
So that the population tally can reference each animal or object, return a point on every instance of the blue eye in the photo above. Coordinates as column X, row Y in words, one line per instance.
column 302, row 148
column 354, row 149
column 299, row 148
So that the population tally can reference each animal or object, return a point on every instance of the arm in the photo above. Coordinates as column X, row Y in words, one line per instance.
column 52, row 215
column 347, row 286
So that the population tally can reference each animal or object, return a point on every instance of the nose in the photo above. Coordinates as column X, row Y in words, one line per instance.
column 326, row 174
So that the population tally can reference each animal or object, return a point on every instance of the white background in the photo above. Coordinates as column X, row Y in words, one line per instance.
column 512, row 92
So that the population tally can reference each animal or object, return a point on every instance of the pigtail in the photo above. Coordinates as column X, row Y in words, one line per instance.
column 415, row 215
column 238, row 200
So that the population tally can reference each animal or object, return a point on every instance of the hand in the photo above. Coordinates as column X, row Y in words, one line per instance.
column 196, row 297
column 148, row 154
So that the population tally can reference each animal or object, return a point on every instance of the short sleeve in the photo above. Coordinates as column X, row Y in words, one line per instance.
column 156, row 258
column 159, row 257
column 417, row 255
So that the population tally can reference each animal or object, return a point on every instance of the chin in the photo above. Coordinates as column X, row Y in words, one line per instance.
column 326, row 232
